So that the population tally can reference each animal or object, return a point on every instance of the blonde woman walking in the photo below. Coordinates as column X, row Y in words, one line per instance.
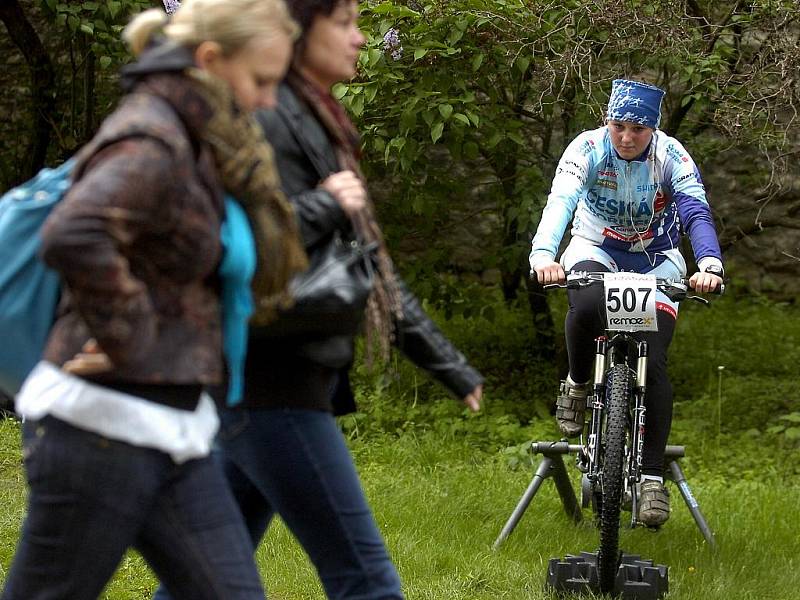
column 118, row 430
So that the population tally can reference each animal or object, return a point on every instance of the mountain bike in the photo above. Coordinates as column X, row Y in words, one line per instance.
column 610, row 456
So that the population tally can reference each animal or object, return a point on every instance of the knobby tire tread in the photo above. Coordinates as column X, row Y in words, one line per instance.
column 617, row 401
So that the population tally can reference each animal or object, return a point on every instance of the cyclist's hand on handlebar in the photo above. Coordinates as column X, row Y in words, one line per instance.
column 551, row 272
column 705, row 282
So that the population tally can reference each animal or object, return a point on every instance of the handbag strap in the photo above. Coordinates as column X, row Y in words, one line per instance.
column 306, row 145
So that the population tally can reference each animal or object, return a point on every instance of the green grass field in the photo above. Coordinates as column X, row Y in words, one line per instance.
column 441, row 506
column 443, row 483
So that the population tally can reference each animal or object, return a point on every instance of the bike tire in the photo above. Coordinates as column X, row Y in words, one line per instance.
column 616, row 424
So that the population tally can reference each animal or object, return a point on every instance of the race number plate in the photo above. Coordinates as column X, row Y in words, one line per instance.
column 630, row 302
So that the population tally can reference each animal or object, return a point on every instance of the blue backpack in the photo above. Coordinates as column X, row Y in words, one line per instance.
column 29, row 291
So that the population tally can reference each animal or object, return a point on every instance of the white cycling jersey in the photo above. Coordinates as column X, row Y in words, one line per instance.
column 627, row 207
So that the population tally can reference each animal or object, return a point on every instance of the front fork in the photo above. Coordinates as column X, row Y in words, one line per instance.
column 635, row 465
column 597, row 404
column 594, row 442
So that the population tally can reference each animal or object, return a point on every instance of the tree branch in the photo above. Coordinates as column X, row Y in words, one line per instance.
column 679, row 114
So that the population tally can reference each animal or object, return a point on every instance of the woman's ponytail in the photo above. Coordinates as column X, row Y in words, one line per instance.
column 141, row 29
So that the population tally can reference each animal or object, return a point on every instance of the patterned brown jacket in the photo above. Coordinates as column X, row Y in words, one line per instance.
column 136, row 241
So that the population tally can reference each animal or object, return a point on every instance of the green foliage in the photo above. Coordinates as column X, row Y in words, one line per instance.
column 469, row 103
column 100, row 22
column 87, row 56
column 787, row 427
column 443, row 120
column 755, row 343
column 519, row 388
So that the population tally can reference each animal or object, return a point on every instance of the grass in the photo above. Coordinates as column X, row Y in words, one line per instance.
column 443, row 483
column 440, row 506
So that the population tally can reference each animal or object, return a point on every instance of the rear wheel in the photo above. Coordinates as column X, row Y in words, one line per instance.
column 617, row 402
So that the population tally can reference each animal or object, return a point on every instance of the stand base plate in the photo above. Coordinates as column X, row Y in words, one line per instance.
column 637, row 578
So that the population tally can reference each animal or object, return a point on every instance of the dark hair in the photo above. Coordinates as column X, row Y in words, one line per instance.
column 305, row 11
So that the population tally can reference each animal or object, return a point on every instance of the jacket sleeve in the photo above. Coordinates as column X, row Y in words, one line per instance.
column 319, row 215
column 119, row 198
column 426, row 346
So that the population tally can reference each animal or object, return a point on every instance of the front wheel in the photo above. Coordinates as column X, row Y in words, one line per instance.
column 616, row 423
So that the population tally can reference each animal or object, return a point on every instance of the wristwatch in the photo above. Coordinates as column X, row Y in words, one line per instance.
column 715, row 270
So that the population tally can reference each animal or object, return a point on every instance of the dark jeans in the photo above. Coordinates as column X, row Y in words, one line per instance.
column 92, row 498
column 295, row 463
column 585, row 321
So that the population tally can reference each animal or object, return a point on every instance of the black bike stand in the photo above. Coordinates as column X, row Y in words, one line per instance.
column 552, row 465
column 636, row 579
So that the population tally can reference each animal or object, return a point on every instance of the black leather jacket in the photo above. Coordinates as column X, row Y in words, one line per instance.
column 294, row 132
column 302, row 152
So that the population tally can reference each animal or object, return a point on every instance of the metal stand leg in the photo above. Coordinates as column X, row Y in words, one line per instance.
column 541, row 473
column 552, row 465
column 679, row 478
column 564, row 487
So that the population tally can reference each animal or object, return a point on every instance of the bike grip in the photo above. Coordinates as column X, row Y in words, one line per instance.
column 717, row 292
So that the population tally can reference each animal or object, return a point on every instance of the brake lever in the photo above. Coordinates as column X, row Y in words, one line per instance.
column 699, row 299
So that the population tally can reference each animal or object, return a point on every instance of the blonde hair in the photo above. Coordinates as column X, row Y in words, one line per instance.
column 230, row 23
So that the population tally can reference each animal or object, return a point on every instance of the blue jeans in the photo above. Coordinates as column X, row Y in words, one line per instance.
column 92, row 498
column 295, row 463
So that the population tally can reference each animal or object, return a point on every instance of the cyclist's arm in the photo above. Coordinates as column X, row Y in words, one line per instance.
column 694, row 212
column 569, row 184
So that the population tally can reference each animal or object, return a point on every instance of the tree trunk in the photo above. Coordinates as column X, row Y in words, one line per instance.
column 25, row 38
column 89, row 67
column 544, row 338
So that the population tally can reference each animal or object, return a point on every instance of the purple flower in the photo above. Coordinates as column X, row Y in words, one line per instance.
column 171, row 6
column 391, row 43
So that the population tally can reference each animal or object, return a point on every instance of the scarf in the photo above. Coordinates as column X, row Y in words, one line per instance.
column 384, row 305
column 246, row 166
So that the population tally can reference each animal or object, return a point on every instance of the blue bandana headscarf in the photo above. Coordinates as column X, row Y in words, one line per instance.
column 635, row 102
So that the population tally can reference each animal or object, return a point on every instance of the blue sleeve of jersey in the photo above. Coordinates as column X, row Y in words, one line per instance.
column 694, row 212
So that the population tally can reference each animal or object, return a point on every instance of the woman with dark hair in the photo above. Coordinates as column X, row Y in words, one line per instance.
column 281, row 447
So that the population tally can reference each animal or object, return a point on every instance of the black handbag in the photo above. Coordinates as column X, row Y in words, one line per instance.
column 331, row 296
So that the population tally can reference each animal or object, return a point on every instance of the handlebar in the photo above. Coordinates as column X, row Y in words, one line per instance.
column 676, row 290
